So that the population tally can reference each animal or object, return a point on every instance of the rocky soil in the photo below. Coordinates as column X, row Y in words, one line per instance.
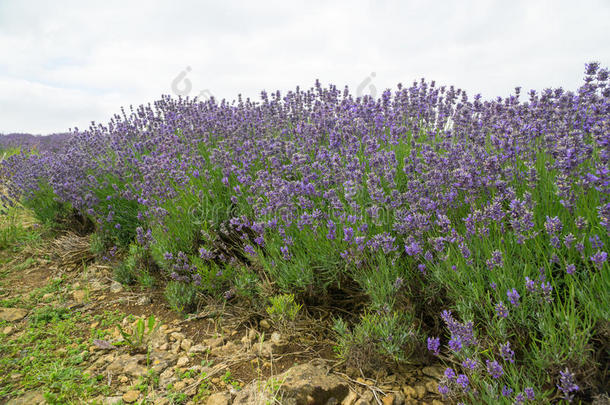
column 211, row 358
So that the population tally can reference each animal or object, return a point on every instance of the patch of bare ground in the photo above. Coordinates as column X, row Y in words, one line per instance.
column 135, row 349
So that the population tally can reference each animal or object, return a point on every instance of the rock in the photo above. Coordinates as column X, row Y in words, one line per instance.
column 388, row 399
column 434, row 372
column 167, row 377
column 161, row 401
column 131, row 396
column 29, row 398
column 177, row 336
column 266, row 349
column 179, row 385
column 183, row 361
column 160, row 360
column 214, row 342
column 432, row 387
column 366, row 399
column 112, row 400
column 198, row 349
column 350, row 398
column 420, row 391
column 134, row 369
column 399, row 398
column 409, row 391
column 116, row 287
column 436, row 402
column 299, row 383
column 265, row 324
column 12, row 314
column 128, row 364
column 144, row 300
column 8, row 330
column 219, row 398
column 186, row 344
column 225, row 350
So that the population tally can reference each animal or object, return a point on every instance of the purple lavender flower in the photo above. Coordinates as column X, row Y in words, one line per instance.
column 507, row 353
column 470, row 364
column 455, row 343
column 494, row 369
column 462, row 380
column 553, row 225
column 501, row 310
column 434, row 345
column 529, row 392
column 568, row 240
column 546, row 290
column 570, row 268
column 449, row 374
column 599, row 259
column 519, row 399
column 530, row 285
column 443, row 389
column 513, row 297
column 506, row 392
column 567, row 385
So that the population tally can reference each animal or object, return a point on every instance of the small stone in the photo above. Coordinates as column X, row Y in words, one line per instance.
column 433, row 372
column 124, row 379
column 388, row 399
column 48, row 297
column 131, row 396
column 183, row 361
column 95, row 325
column 32, row 397
column 12, row 314
column 219, row 398
column 214, row 342
column 265, row 324
column 432, row 387
column 177, row 336
column 112, row 400
column 186, row 344
column 179, row 385
column 436, row 402
column 161, row 401
column 116, row 287
column 8, row 330
column 144, row 300
column 420, row 391
column 198, row 349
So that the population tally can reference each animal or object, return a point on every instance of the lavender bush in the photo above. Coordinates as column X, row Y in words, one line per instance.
column 492, row 215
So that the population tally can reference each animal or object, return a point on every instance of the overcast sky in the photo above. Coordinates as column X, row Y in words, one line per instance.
column 67, row 63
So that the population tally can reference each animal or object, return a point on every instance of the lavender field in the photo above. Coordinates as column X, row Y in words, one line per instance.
column 436, row 227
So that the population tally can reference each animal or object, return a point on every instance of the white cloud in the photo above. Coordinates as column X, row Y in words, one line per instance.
column 66, row 63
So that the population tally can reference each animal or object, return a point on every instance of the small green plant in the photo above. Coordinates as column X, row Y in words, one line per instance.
column 377, row 339
column 182, row 297
column 137, row 267
column 46, row 315
column 139, row 339
column 271, row 390
column 283, row 311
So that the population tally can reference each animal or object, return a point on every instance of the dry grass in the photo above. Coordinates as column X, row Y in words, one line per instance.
column 70, row 251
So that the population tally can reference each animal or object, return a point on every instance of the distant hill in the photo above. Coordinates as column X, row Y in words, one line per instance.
column 51, row 142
